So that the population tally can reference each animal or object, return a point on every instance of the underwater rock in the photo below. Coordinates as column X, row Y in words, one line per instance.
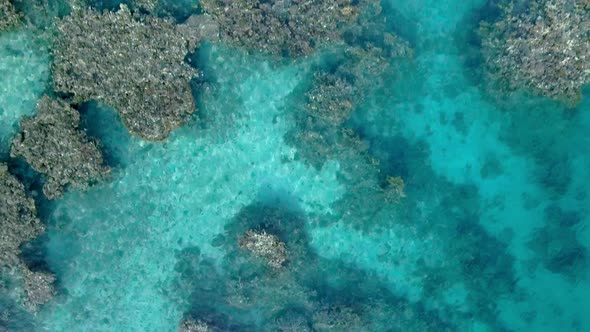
column 336, row 319
column 278, row 27
column 545, row 49
column 9, row 17
column 265, row 246
column 204, row 25
column 54, row 145
column 147, row 5
column 322, row 131
column 18, row 218
column 311, row 293
column 191, row 325
column 19, row 224
column 299, row 28
column 38, row 287
column 335, row 92
column 352, row 72
column 131, row 62
column 331, row 99
column 291, row 321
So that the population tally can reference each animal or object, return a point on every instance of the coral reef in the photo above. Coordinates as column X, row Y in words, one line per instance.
column 350, row 73
column 291, row 320
column 266, row 246
column 191, row 325
column 131, row 62
column 38, row 287
column 143, row 5
column 323, row 132
column 331, row 98
column 310, row 294
column 19, row 224
column 54, row 145
column 299, row 28
column 9, row 17
column 282, row 28
column 336, row 318
column 204, row 26
column 147, row 5
column 544, row 49
column 18, row 217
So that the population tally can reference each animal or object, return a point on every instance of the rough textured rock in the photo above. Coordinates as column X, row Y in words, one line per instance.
column 331, row 99
column 18, row 217
column 266, row 246
column 144, row 5
column 191, row 325
column 544, row 49
column 203, row 25
column 19, row 224
column 280, row 27
column 9, row 17
column 53, row 144
column 131, row 62
column 148, row 5
column 38, row 287
column 336, row 319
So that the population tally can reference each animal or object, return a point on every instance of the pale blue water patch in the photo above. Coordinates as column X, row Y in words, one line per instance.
column 122, row 237
column 24, row 71
column 390, row 254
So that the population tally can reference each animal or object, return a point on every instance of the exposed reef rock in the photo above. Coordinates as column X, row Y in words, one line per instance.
column 283, row 28
column 54, row 145
column 9, row 17
column 18, row 225
column 266, row 246
column 38, row 287
column 544, row 49
column 191, row 325
column 18, row 217
column 131, row 62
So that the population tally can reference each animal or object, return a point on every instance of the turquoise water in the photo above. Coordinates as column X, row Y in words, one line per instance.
column 491, row 235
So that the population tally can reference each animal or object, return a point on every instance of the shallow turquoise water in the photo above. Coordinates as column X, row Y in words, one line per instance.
column 483, row 179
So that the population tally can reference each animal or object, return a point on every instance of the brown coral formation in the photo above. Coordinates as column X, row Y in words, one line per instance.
column 19, row 224
column 191, row 325
column 285, row 28
column 18, row 217
column 54, row 145
column 266, row 246
column 544, row 49
column 9, row 17
column 131, row 62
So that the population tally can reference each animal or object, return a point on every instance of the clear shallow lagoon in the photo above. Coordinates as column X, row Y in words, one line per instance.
column 492, row 235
